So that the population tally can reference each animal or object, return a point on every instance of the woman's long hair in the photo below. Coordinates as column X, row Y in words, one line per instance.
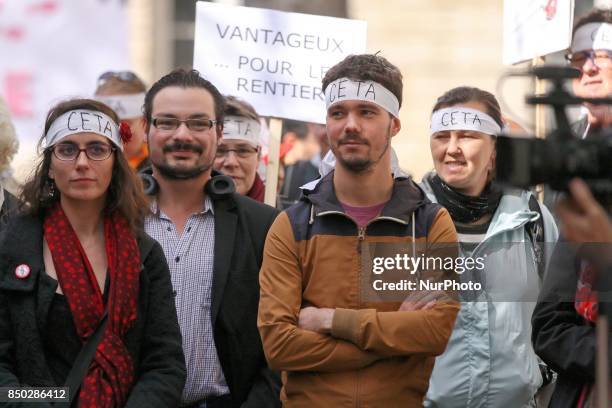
column 125, row 192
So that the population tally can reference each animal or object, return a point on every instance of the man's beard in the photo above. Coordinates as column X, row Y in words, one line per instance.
column 360, row 165
column 174, row 173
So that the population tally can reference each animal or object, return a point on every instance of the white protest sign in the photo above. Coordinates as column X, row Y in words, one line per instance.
column 534, row 28
column 274, row 60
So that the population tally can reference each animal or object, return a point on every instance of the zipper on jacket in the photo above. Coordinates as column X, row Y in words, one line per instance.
column 362, row 230
column 357, row 391
column 360, row 238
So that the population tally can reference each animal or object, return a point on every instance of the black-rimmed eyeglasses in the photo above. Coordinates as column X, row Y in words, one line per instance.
column 93, row 151
column 242, row 152
column 194, row 124
column 599, row 58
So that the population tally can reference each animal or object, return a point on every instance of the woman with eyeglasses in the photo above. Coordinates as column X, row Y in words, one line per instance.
column 239, row 150
column 85, row 295
column 489, row 360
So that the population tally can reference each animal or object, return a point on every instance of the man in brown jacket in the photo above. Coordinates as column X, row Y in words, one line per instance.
column 336, row 345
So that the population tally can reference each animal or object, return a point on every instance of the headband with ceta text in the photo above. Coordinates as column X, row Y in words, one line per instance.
column 592, row 36
column 239, row 127
column 345, row 89
column 126, row 106
column 83, row 121
column 460, row 118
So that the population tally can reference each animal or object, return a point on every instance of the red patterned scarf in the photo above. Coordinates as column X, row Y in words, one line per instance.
column 110, row 376
column 586, row 297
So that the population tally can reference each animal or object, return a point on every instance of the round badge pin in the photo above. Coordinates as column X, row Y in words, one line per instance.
column 22, row 271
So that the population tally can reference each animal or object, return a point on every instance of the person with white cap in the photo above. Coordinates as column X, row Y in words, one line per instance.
column 239, row 149
column 591, row 53
column 85, row 295
column 124, row 92
column 577, row 285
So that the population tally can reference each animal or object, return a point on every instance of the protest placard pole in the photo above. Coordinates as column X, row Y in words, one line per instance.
column 540, row 116
column 276, row 128
column 540, row 112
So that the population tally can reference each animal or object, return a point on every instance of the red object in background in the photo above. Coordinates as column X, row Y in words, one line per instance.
column 48, row 6
column 18, row 93
column 125, row 132
column 14, row 33
column 551, row 9
column 284, row 149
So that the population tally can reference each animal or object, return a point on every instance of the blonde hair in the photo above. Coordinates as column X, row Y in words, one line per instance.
column 8, row 137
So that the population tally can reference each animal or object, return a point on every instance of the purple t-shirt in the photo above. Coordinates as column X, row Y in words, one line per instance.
column 363, row 215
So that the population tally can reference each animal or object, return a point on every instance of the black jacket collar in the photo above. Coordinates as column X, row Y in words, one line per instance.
column 406, row 197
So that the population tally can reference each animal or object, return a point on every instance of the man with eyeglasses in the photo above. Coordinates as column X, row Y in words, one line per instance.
column 591, row 53
column 575, row 290
column 239, row 150
column 213, row 239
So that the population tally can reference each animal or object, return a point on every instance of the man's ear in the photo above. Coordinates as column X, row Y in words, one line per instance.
column 395, row 126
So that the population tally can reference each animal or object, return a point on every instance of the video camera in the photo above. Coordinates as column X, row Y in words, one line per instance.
column 562, row 155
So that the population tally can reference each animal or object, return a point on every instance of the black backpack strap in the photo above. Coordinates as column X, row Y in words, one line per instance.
column 535, row 230
column 536, row 234
column 81, row 363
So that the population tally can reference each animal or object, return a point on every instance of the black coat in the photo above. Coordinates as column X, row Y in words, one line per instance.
column 241, row 226
column 154, row 342
column 9, row 208
column 562, row 338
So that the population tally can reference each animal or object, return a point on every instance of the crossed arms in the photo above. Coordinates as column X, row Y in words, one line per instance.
column 337, row 339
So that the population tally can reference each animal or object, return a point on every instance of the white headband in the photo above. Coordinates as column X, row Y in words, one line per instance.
column 592, row 36
column 126, row 106
column 82, row 121
column 460, row 118
column 238, row 127
column 343, row 89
